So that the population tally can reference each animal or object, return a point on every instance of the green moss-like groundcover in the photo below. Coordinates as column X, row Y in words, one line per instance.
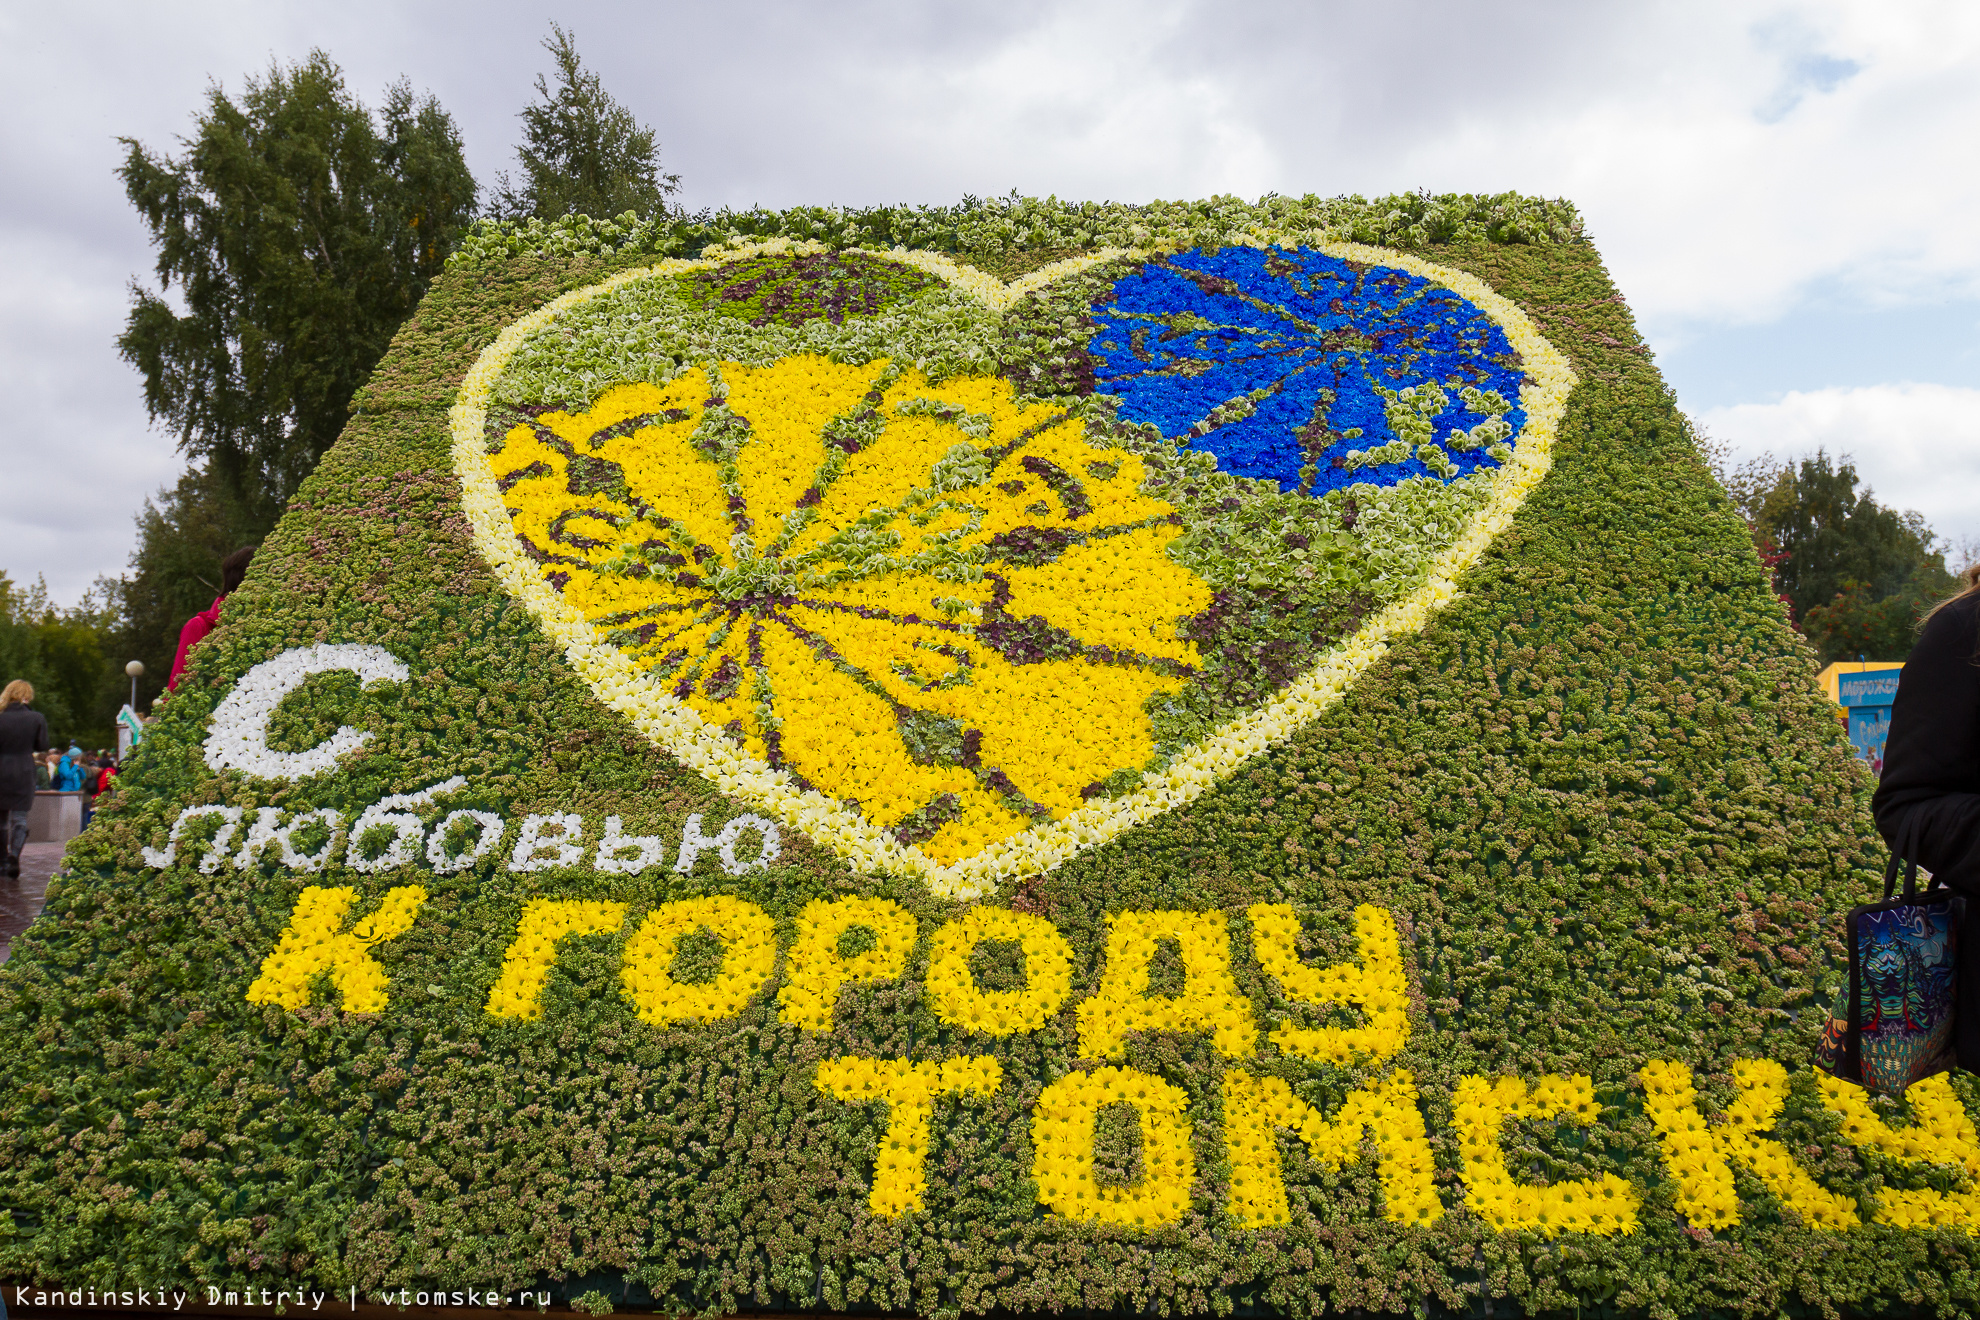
column 1611, row 813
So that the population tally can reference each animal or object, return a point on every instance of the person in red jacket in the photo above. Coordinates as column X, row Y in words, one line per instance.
column 232, row 569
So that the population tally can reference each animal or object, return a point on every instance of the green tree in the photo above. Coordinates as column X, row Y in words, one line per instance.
column 582, row 152
column 299, row 232
column 175, row 571
column 1856, row 575
column 20, row 642
column 1856, row 624
column 68, row 654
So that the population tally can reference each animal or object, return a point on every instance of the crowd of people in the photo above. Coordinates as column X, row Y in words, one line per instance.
column 76, row 771
column 28, row 764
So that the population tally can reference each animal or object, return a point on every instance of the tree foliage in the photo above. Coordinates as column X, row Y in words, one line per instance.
column 582, row 152
column 1855, row 623
column 70, row 655
column 299, row 232
column 1856, row 575
column 20, row 642
column 175, row 570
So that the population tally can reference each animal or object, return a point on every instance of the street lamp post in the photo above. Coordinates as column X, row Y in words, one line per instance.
column 134, row 668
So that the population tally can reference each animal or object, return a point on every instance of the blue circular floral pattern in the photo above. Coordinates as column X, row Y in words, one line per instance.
column 1309, row 370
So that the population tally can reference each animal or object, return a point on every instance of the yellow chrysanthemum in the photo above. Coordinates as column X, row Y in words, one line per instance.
column 1480, row 1110
column 930, row 602
column 315, row 943
column 1698, row 1155
column 1255, row 1108
column 900, row 1167
column 1063, row 1125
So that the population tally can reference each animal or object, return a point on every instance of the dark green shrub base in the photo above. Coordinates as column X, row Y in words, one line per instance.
column 1611, row 813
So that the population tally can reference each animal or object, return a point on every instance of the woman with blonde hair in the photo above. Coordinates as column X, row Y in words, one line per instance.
column 23, row 732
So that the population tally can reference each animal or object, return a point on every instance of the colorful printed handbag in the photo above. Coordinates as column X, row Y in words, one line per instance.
column 1892, row 1024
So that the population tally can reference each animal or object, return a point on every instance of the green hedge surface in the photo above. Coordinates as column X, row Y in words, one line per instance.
column 1017, row 757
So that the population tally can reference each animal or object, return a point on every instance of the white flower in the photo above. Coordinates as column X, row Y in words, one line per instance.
column 694, row 843
column 647, row 850
column 407, row 829
column 567, row 843
column 237, row 733
column 490, row 837
column 216, row 850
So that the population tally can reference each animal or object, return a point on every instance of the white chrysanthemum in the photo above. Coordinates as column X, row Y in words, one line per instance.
column 237, row 733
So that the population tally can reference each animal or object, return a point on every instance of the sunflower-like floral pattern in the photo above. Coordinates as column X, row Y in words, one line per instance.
column 940, row 606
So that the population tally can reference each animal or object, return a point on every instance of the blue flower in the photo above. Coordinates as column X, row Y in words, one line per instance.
column 1309, row 370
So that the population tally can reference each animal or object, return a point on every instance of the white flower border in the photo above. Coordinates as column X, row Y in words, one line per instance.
column 674, row 726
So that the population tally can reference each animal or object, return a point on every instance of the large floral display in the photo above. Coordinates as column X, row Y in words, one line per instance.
column 1177, row 758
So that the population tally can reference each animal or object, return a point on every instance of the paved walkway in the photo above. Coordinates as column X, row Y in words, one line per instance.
column 21, row 900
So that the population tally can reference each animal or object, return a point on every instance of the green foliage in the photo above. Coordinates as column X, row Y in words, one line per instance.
column 622, row 335
column 299, row 233
column 1614, row 818
column 582, row 153
column 1858, row 625
column 71, row 657
column 831, row 285
column 82, row 674
column 175, row 569
column 1856, row 574
column 1013, row 235
column 20, row 644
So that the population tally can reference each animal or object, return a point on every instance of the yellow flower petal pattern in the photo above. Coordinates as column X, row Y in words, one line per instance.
column 946, row 609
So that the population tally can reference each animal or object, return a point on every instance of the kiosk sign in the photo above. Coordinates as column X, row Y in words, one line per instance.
column 1868, row 698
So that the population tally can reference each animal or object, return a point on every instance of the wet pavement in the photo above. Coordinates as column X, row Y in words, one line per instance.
column 21, row 900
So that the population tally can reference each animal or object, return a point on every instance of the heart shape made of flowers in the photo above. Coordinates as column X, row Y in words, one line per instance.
column 820, row 547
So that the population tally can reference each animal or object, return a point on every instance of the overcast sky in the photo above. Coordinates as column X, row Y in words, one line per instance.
column 1786, row 193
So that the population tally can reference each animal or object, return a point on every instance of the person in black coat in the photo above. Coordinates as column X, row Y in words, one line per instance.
column 23, row 732
column 1930, row 790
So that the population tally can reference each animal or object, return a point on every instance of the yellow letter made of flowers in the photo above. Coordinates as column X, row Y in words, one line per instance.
column 1376, row 985
column 960, row 1002
column 518, row 991
column 1256, row 1109
column 315, row 943
column 1064, row 1162
column 1939, row 1133
column 1208, row 1002
column 749, row 955
column 909, row 1090
column 1480, row 1111
column 1697, row 1154
column 817, row 968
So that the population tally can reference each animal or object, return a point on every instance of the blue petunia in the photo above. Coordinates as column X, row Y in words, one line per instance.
column 1297, row 366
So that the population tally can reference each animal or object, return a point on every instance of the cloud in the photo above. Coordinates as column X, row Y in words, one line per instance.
column 1729, row 158
column 1916, row 445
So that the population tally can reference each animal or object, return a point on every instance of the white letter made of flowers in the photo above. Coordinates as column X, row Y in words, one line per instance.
column 237, row 735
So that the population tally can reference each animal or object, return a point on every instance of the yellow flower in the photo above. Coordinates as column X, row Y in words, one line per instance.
column 900, row 1173
column 1209, row 1000
column 817, row 971
column 526, row 966
column 749, row 956
column 952, row 989
column 1697, row 1154
column 1940, row 1132
column 1480, row 1110
column 1377, row 986
column 1063, row 1124
column 927, row 601
column 1388, row 1111
column 313, row 945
